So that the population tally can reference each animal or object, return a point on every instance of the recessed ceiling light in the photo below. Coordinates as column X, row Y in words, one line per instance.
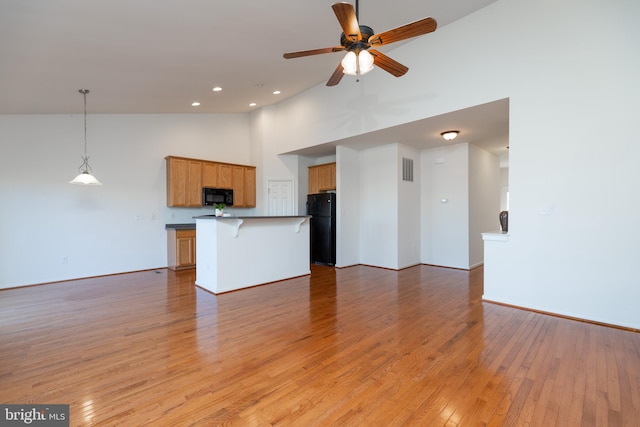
column 217, row 89
column 276, row 92
column 195, row 104
column 253, row 104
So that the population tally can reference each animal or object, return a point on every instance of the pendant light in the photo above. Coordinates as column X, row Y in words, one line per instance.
column 85, row 176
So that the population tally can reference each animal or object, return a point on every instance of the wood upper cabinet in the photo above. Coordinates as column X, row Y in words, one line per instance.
column 186, row 177
column 194, row 186
column 238, row 186
column 314, row 187
column 244, row 186
column 250, row 186
column 225, row 176
column 177, row 180
column 322, row 178
column 332, row 176
column 184, row 182
column 210, row 174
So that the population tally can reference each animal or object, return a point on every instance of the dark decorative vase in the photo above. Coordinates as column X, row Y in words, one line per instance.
column 504, row 221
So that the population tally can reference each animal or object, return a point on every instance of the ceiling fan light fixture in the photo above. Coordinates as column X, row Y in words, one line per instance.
column 356, row 39
column 349, row 63
column 365, row 59
column 357, row 63
column 450, row 134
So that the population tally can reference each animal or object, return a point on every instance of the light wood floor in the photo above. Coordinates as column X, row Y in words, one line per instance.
column 358, row 346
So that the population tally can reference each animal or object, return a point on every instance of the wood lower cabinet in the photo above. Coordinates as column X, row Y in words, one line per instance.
column 322, row 178
column 186, row 177
column 181, row 248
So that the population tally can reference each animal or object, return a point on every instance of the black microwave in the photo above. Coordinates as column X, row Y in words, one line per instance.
column 213, row 196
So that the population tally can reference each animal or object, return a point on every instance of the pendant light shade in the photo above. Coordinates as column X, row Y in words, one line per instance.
column 85, row 176
column 359, row 63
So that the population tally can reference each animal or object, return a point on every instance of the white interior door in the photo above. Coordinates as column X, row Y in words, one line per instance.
column 280, row 197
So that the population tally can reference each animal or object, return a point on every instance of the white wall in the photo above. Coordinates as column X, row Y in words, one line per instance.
column 573, row 161
column 52, row 230
column 389, row 209
column 504, row 188
column 408, row 209
column 348, row 206
column 484, row 200
column 269, row 165
column 574, row 102
column 445, row 206
column 379, row 206
column 460, row 199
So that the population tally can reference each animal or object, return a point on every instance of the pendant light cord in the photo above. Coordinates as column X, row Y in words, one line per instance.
column 84, row 92
column 84, row 167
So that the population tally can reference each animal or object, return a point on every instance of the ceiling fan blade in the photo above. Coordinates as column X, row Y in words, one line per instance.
column 389, row 65
column 312, row 52
column 417, row 28
column 348, row 20
column 336, row 76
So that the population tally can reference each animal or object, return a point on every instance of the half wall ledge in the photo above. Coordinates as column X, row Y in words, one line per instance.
column 495, row 236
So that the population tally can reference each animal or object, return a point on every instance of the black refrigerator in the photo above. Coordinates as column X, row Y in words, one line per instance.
column 322, row 208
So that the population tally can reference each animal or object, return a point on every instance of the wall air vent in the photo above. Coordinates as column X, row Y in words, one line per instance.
column 407, row 169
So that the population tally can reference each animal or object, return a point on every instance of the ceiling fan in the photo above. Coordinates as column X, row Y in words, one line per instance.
column 358, row 40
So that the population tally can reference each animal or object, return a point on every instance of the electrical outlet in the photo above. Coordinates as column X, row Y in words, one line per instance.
column 65, row 260
column 139, row 217
column 153, row 217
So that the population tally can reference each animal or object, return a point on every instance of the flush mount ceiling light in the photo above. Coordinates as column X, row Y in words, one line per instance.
column 85, row 176
column 450, row 134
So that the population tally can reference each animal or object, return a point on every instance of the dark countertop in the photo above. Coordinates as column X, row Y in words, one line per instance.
column 191, row 226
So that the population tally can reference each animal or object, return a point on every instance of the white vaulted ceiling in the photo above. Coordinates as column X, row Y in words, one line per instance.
column 158, row 56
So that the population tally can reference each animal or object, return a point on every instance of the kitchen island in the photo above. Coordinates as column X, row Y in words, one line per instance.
column 241, row 251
